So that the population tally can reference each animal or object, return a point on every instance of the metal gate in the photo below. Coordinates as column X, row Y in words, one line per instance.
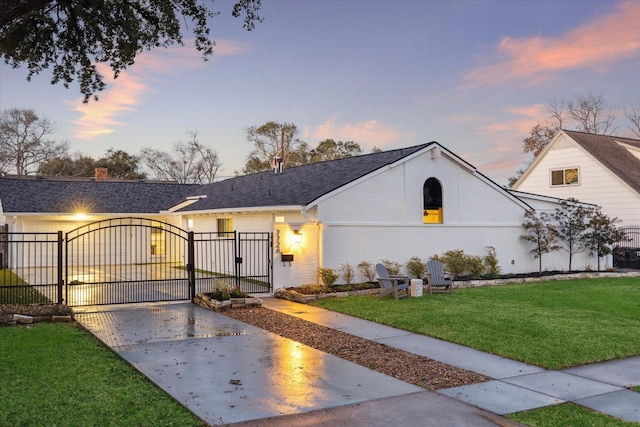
column 127, row 260
column 627, row 252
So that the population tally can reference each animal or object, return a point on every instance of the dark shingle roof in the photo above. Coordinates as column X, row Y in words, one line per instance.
column 296, row 186
column 68, row 195
column 607, row 150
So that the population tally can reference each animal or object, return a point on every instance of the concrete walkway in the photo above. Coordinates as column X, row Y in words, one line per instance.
column 515, row 386
column 226, row 371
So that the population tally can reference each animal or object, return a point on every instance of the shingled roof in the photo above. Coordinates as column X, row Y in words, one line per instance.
column 295, row 186
column 608, row 151
column 24, row 194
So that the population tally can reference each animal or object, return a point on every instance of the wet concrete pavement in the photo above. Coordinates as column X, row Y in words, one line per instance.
column 226, row 372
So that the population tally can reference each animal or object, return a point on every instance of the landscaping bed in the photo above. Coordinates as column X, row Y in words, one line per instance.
column 405, row 366
column 208, row 300
column 308, row 293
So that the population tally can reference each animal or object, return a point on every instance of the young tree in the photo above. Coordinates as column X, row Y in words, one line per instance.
column 71, row 37
column 572, row 223
column 24, row 142
column 191, row 162
column 541, row 233
column 603, row 233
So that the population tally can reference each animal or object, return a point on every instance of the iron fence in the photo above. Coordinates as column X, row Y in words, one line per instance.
column 124, row 260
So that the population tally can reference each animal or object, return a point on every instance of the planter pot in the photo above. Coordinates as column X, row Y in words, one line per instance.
column 416, row 287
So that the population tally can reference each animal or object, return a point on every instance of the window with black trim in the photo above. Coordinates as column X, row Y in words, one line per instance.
column 432, row 201
column 567, row 176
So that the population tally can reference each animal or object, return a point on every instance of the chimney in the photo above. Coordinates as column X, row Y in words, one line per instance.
column 101, row 174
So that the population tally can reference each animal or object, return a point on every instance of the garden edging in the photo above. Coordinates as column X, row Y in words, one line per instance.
column 206, row 301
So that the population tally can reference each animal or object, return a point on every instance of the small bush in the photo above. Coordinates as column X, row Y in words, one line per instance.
column 311, row 289
column 223, row 292
column 367, row 270
column 491, row 263
column 393, row 267
column 416, row 267
column 328, row 276
column 456, row 262
column 347, row 272
column 475, row 266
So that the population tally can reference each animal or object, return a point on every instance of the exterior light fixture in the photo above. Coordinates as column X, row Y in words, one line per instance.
column 297, row 237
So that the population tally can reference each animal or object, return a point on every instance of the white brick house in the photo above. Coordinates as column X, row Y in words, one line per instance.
column 372, row 207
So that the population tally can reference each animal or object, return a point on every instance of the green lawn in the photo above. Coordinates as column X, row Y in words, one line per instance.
column 567, row 414
column 15, row 290
column 552, row 324
column 58, row 374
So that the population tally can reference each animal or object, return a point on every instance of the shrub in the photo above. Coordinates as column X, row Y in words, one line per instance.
column 328, row 276
column 475, row 266
column 491, row 263
column 367, row 270
column 456, row 262
column 311, row 289
column 392, row 266
column 416, row 267
column 223, row 292
column 347, row 272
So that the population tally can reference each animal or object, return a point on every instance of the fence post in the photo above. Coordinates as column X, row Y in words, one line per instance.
column 191, row 267
column 60, row 281
column 237, row 254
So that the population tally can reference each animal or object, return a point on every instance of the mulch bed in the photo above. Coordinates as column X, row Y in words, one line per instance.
column 400, row 364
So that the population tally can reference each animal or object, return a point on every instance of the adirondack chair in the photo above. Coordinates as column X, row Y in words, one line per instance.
column 436, row 278
column 392, row 284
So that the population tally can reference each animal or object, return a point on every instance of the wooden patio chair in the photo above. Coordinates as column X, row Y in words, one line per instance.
column 392, row 284
column 436, row 278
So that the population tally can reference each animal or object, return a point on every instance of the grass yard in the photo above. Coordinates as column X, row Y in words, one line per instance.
column 567, row 414
column 58, row 374
column 14, row 290
column 555, row 324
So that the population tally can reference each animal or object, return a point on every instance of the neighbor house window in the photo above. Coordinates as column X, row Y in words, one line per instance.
column 432, row 201
column 564, row 177
column 224, row 226
column 157, row 239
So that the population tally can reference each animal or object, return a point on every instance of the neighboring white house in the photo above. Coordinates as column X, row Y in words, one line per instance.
column 415, row 201
column 598, row 169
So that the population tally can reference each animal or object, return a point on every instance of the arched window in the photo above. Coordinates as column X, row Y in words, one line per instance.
column 432, row 201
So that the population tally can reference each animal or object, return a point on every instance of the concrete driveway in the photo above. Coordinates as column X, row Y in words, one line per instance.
column 226, row 371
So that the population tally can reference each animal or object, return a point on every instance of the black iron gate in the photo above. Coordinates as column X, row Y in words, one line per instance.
column 126, row 260
column 627, row 252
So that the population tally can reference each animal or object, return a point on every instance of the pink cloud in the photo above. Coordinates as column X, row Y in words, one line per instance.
column 368, row 134
column 599, row 43
column 123, row 94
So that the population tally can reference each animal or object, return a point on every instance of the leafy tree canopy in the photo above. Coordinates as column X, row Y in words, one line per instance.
column 72, row 36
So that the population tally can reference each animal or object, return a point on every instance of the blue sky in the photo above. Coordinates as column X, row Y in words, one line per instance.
column 473, row 75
